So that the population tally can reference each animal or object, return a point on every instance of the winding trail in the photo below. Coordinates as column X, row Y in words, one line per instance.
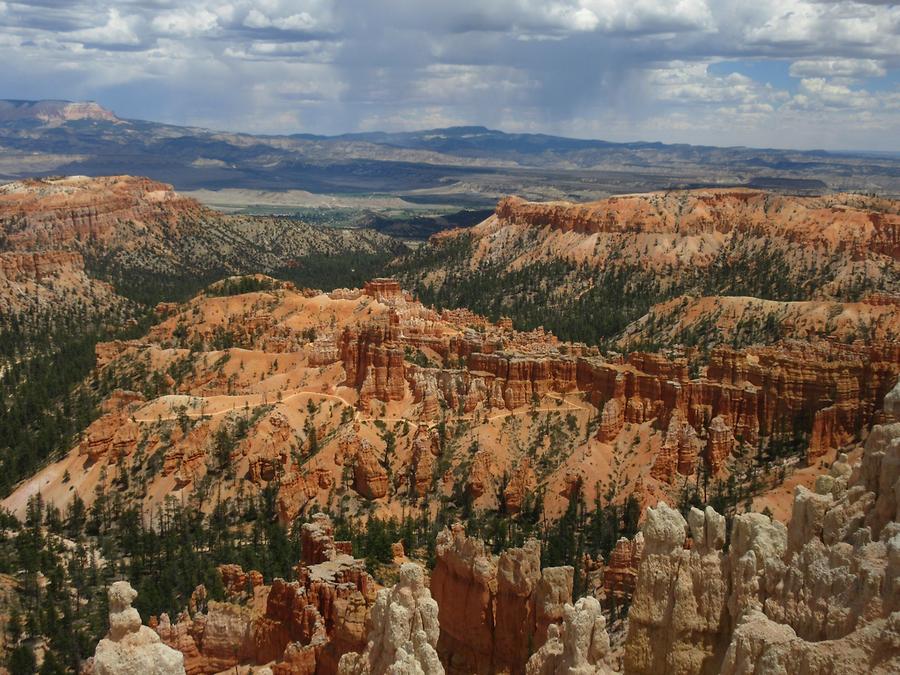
column 357, row 415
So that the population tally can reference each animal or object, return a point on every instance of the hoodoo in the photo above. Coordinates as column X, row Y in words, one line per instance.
column 131, row 648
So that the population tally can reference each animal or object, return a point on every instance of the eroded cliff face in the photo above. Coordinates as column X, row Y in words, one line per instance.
column 844, row 220
column 131, row 224
column 823, row 388
column 494, row 609
column 818, row 596
column 674, row 231
column 60, row 213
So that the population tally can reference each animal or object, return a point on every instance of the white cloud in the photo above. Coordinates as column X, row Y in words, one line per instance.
column 651, row 16
column 691, row 83
column 186, row 23
column 839, row 26
column 817, row 93
column 301, row 16
column 117, row 31
column 838, row 68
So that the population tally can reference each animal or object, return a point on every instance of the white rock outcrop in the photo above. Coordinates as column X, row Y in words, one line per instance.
column 579, row 647
column 131, row 648
column 678, row 622
column 403, row 631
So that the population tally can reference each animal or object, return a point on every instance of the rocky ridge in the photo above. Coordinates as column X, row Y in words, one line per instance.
column 711, row 321
column 843, row 220
column 126, row 224
column 52, row 282
column 595, row 269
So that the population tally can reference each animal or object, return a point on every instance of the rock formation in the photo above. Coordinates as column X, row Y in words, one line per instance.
column 820, row 596
column 685, row 635
column 620, row 573
column 521, row 484
column 315, row 389
column 612, row 417
column 131, row 648
column 143, row 226
column 383, row 288
column 678, row 453
column 719, row 444
column 317, row 542
column 301, row 627
column 579, row 647
column 480, row 595
column 403, row 631
column 370, row 478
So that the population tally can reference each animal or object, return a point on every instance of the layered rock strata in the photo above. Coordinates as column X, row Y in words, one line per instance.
column 825, row 389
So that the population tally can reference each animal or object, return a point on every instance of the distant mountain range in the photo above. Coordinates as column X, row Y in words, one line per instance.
column 462, row 166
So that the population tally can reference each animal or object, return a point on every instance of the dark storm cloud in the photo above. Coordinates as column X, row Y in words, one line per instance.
column 603, row 68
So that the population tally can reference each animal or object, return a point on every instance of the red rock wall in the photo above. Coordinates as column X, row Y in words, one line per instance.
column 493, row 611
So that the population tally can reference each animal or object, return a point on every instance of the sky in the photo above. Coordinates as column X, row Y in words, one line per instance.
column 765, row 73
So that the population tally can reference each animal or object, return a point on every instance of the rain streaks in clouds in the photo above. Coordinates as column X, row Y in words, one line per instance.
column 786, row 73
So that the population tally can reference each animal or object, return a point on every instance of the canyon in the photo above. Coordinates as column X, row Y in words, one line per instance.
column 419, row 473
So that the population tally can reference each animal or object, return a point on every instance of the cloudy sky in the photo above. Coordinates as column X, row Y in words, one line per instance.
column 783, row 73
